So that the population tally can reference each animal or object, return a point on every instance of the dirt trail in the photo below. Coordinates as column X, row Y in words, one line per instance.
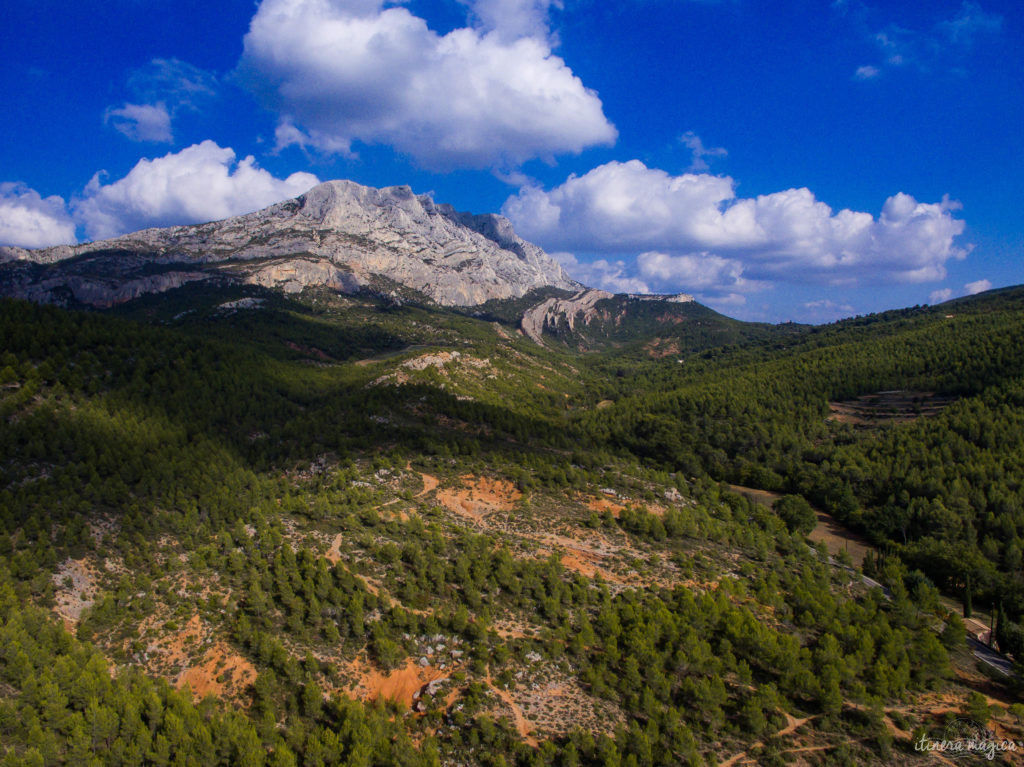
column 334, row 553
column 792, row 725
column 522, row 724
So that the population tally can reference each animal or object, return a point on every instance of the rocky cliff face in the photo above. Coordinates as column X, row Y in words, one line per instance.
column 581, row 309
column 554, row 310
column 339, row 234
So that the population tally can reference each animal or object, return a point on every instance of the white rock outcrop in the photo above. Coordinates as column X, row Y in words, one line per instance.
column 550, row 312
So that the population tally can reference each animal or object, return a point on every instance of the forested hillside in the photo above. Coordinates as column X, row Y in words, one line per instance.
column 943, row 490
column 239, row 528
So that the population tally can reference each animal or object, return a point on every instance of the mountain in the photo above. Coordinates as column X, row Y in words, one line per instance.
column 350, row 238
column 339, row 234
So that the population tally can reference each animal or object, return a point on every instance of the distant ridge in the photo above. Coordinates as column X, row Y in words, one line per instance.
column 339, row 234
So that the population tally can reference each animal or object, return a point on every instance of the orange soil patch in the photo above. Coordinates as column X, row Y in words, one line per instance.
column 400, row 684
column 429, row 483
column 662, row 347
column 593, row 545
column 172, row 648
column 581, row 555
column 190, row 656
column 451, row 697
column 372, row 584
column 579, row 564
column 583, row 563
column 700, row 585
column 656, row 509
column 220, row 672
column 598, row 504
column 943, row 703
column 479, row 496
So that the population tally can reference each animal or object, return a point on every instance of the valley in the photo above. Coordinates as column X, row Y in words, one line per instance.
column 244, row 524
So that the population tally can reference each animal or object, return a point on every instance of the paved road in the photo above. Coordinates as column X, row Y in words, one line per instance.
column 872, row 583
column 984, row 653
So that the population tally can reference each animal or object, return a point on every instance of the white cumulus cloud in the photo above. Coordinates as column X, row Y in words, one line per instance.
column 142, row 122
column 699, row 226
column 604, row 274
column 940, row 295
column 481, row 97
column 695, row 271
column 978, row 286
column 29, row 220
column 200, row 183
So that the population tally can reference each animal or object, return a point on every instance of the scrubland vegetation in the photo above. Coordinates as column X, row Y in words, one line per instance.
column 340, row 531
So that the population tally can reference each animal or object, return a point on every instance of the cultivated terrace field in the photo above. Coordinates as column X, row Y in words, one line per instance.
column 340, row 530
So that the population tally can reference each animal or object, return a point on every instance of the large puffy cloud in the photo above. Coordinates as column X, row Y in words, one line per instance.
column 200, row 183
column 493, row 96
column 29, row 220
column 698, row 226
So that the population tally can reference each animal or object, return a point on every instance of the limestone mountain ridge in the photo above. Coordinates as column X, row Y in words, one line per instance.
column 339, row 234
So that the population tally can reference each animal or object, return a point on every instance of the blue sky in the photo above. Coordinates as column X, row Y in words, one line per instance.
column 779, row 160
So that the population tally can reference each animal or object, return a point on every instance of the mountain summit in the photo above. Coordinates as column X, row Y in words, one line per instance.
column 339, row 234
